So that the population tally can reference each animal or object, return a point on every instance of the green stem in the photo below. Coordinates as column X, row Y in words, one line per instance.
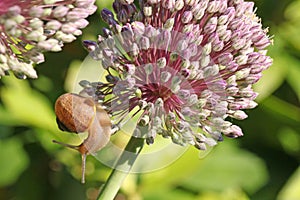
column 125, row 162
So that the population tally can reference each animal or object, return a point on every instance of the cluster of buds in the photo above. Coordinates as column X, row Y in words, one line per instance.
column 183, row 68
column 28, row 28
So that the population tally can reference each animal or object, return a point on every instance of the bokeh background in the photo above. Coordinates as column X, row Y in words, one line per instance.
column 262, row 165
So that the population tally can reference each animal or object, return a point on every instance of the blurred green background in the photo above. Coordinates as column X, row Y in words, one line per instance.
column 262, row 165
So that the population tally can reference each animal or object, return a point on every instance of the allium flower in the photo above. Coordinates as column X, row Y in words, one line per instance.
column 30, row 27
column 183, row 68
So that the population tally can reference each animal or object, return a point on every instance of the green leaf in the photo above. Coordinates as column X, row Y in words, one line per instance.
column 289, row 139
column 282, row 108
column 293, row 77
column 291, row 190
column 174, row 194
column 25, row 105
column 229, row 167
column 14, row 161
column 181, row 194
column 290, row 30
column 292, row 11
column 225, row 167
column 173, row 174
column 230, row 194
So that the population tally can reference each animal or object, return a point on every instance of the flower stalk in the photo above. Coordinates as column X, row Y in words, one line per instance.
column 125, row 162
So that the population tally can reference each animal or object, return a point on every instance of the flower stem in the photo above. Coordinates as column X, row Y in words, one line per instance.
column 125, row 162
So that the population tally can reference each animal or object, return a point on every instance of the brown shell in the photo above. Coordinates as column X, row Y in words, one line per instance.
column 75, row 112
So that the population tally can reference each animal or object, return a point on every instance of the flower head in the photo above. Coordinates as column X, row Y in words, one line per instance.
column 30, row 27
column 183, row 68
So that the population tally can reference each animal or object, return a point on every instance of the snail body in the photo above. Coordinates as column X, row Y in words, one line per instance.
column 77, row 114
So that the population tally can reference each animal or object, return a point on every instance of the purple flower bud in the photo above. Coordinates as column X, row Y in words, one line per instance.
column 77, row 13
column 198, row 11
column 179, row 4
column 81, row 23
column 187, row 17
column 84, row 3
column 234, row 132
column 106, row 15
column 36, row 11
column 168, row 4
column 211, row 25
column 147, row 11
column 191, row 2
column 225, row 58
column 90, row 45
column 60, row 11
column 53, row 25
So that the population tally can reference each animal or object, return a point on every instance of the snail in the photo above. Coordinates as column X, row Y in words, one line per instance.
column 77, row 114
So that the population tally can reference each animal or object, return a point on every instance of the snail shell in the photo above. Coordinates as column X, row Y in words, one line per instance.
column 79, row 114
column 74, row 113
